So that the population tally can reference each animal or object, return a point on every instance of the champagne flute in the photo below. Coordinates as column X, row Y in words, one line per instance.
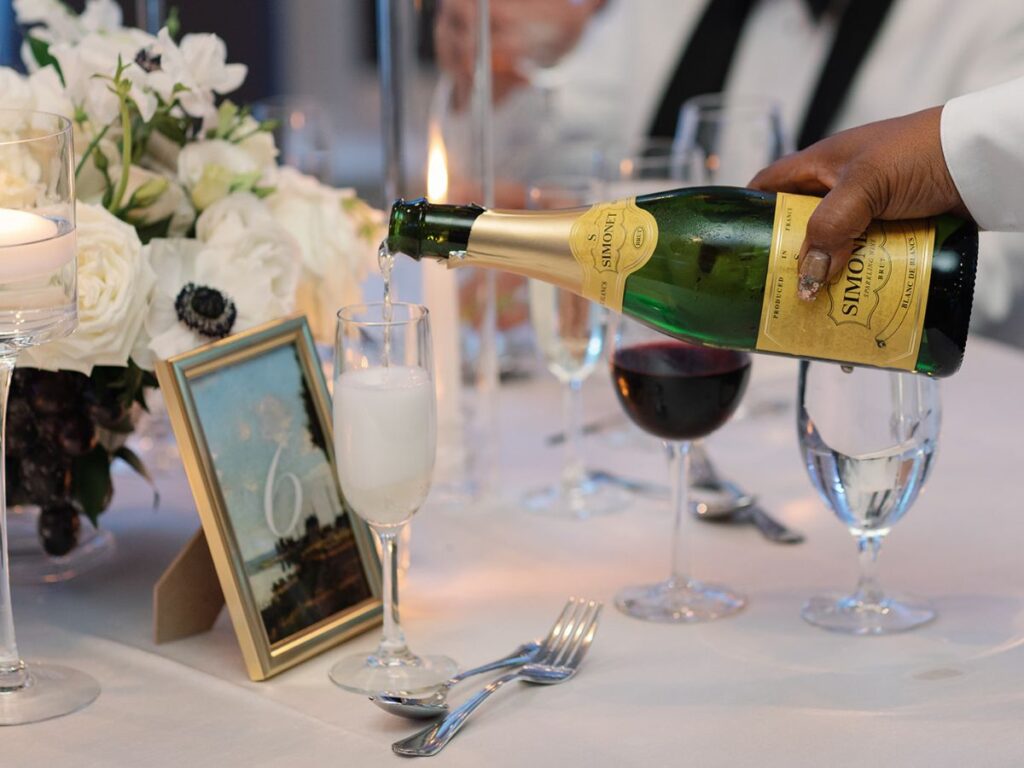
column 678, row 392
column 38, row 303
column 570, row 333
column 868, row 439
column 385, row 433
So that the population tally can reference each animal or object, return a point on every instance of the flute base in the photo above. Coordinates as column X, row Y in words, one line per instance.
column 852, row 616
column 373, row 674
column 592, row 497
column 677, row 601
column 50, row 691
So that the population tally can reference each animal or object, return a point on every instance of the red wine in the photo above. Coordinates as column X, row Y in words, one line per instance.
column 679, row 391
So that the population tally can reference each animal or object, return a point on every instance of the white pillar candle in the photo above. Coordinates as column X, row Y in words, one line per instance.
column 440, row 294
column 32, row 245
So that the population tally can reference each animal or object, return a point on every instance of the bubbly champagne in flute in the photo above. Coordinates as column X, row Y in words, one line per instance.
column 385, row 433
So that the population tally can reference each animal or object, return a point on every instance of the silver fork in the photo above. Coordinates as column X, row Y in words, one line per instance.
column 556, row 661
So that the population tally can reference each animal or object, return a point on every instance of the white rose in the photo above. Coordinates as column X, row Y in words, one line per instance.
column 227, row 221
column 256, row 267
column 338, row 237
column 115, row 284
column 213, row 168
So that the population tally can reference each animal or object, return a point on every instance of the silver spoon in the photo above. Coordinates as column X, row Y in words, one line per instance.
column 435, row 703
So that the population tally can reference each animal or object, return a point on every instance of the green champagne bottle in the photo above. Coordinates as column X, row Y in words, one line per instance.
column 718, row 266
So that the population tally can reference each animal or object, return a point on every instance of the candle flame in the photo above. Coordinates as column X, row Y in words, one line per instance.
column 437, row 166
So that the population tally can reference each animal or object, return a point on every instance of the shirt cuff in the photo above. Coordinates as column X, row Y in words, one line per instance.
column 982, row 137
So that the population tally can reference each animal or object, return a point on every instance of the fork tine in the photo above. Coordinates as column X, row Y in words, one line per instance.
column 586, row 618
column 587, row 638
column 554, row 650
column 556, row 629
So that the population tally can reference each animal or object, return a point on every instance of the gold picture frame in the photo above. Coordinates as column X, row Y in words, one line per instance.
column 232, row 404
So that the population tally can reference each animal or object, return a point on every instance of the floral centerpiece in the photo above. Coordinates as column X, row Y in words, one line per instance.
column 187, row 231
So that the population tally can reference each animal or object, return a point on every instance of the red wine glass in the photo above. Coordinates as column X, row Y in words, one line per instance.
column 678, row 392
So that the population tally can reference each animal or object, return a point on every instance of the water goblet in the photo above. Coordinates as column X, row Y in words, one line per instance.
column 385, row 433
column 868, row 439
column 38, row 303
column 678, row 392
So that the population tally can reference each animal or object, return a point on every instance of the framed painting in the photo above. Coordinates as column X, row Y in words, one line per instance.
column 252, row 417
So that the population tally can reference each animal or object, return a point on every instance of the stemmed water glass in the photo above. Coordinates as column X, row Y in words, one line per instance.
column 38, row 303
column 868, row 438
column 726, row 140
column 678, row 392
column 385, row 433
column 570, row 334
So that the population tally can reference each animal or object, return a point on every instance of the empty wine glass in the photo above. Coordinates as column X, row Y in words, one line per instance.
column 726, row 140
column 38, row 303
column 302, row 132
column 385, row 433
column 868, row 439
column 678, row 392
column 570, row 333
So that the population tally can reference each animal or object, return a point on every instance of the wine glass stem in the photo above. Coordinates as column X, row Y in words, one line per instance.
column 572, row 402
column 679, row 469
column 392, row 643
column 12, row 670
column 869, row 590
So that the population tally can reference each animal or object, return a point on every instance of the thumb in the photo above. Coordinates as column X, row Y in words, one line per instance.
column 842, row 216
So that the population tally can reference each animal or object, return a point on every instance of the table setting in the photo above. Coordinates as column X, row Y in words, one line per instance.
column 381, row 533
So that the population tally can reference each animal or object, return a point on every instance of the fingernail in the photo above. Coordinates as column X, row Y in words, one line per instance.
column 813, row 271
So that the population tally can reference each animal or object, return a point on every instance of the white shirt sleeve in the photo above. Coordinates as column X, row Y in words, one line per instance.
column 983, row 142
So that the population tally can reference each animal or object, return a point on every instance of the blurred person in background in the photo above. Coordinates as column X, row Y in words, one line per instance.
column 618, row 71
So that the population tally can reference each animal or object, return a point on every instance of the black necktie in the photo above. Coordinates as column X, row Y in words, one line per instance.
column 704, row 63
column 857, row 29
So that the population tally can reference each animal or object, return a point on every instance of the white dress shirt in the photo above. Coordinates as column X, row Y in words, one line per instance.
column 983, row 141
column 927, row 52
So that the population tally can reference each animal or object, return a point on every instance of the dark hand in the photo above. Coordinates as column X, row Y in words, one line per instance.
column 892, row 169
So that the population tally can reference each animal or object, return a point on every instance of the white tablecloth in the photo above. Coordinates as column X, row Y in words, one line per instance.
column 762, row 688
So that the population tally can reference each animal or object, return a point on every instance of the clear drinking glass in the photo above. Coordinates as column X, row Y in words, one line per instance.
column 38, row 303
column 302, row 132
column 868, row 439
column 385, row 434
column 677, row 392
column 570, row 333
column 726, row 140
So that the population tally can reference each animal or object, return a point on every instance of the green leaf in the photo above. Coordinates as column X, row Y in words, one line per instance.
column 173, row 22
column 131, row 458
column 91, row 483
column 157, row 229
column 41, row 53
column 262, row 192
column 227, row 116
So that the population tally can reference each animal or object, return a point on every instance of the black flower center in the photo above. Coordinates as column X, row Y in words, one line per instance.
column 148, row 60
column 206, row 310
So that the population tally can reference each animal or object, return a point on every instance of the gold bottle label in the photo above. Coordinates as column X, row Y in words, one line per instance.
column 872, row 314
column 611, row 241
